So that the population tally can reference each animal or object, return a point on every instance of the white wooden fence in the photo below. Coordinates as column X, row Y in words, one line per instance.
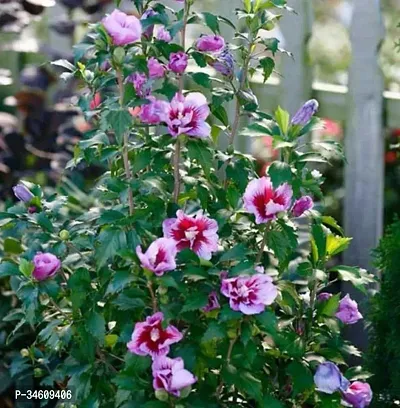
column 364, row 108
column 361, row 107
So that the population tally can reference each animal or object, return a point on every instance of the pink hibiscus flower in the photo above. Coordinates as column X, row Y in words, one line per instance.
column 249, row 294
column 265, row 202
column 169, row 374
column 149, row 338
column 159, row 257
column 199, row 233
column 188, row 114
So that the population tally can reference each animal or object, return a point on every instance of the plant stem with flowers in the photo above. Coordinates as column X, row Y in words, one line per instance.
column 181, row 304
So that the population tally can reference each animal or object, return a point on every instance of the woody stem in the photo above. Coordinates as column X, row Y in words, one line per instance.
column 125, row 151
column 177, row 152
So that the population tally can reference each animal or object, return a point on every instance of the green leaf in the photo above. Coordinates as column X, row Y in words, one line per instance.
column 319, row 239
column 271, row 402
column 331, row 222
column 63, row 63
column 267, row 64
column 302, row 378
column 282, row 118
column 228, row 314
column 239, row 251
column 280, row 173
column 44, row 221
column 126, row 302
column 330, row 307
column 202, row 154
column 211, row 21
column 8, row 269
column 110, row 217
column 220, row 113
column 26, row 267
column 119, row 281
column 142, row 159
column 111, row 241
column 329, row 401
column 359, row 277
column 202, row 79
column 200, row 59
column 12, row 246
column 249, row 384
column 96, row 326
column 305, row 269
column 213, row 332
column 336, row 244
column 267, row 321
column 120, row 121
column 195, row 302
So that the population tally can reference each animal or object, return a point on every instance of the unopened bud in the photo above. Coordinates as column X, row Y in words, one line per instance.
column 64, row 235
column 24, row 352
column 162, row 395
column 119, row 55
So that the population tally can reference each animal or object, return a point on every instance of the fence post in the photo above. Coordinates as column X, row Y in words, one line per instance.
column 364, row 146
column 297, row 76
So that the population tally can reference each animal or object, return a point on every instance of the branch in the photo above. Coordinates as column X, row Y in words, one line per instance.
column 125, row 150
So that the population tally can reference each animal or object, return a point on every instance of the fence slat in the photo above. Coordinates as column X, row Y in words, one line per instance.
column 364, row 144
column 296, row 80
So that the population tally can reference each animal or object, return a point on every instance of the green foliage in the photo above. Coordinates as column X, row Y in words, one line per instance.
column 384, row 354
column 84, row 315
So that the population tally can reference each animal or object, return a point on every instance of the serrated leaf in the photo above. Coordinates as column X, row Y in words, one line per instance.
column 280, row 173
column 63, row 63
column 125, row 302
column 111, row 241
column 142, row 159
column 271, row 402
column 195, row 302
column 12, row 246
column 282, row 118
column 8, row 269
column 336, row 244
column 26, row 267
column 201, row 154
column 202, row 79
column 96, row 326
column 239, row 251
column 302, row 378
column 267, row 64
column 214, row 331
column 330, row 307
column 119, row 120
column 44, row 221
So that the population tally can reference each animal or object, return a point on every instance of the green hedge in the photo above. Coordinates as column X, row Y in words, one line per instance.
column 384, row 354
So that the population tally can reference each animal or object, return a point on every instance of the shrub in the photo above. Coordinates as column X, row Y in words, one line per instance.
column 183, row 285
column 384, row 353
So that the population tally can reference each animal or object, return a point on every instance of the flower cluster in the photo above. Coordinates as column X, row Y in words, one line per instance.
column 266, row 202
column 329, row 380
column 149, row 338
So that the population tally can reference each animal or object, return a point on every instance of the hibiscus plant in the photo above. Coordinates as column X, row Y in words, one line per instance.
column 189, row 281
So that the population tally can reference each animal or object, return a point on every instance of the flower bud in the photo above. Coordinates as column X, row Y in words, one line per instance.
column 162, row 290
column 119, row 55
column 161, row 395
column 305, row 113
column 185, row 392
column 22, row 193
column 24, row 352
column 38, row 372
column 64, row 235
